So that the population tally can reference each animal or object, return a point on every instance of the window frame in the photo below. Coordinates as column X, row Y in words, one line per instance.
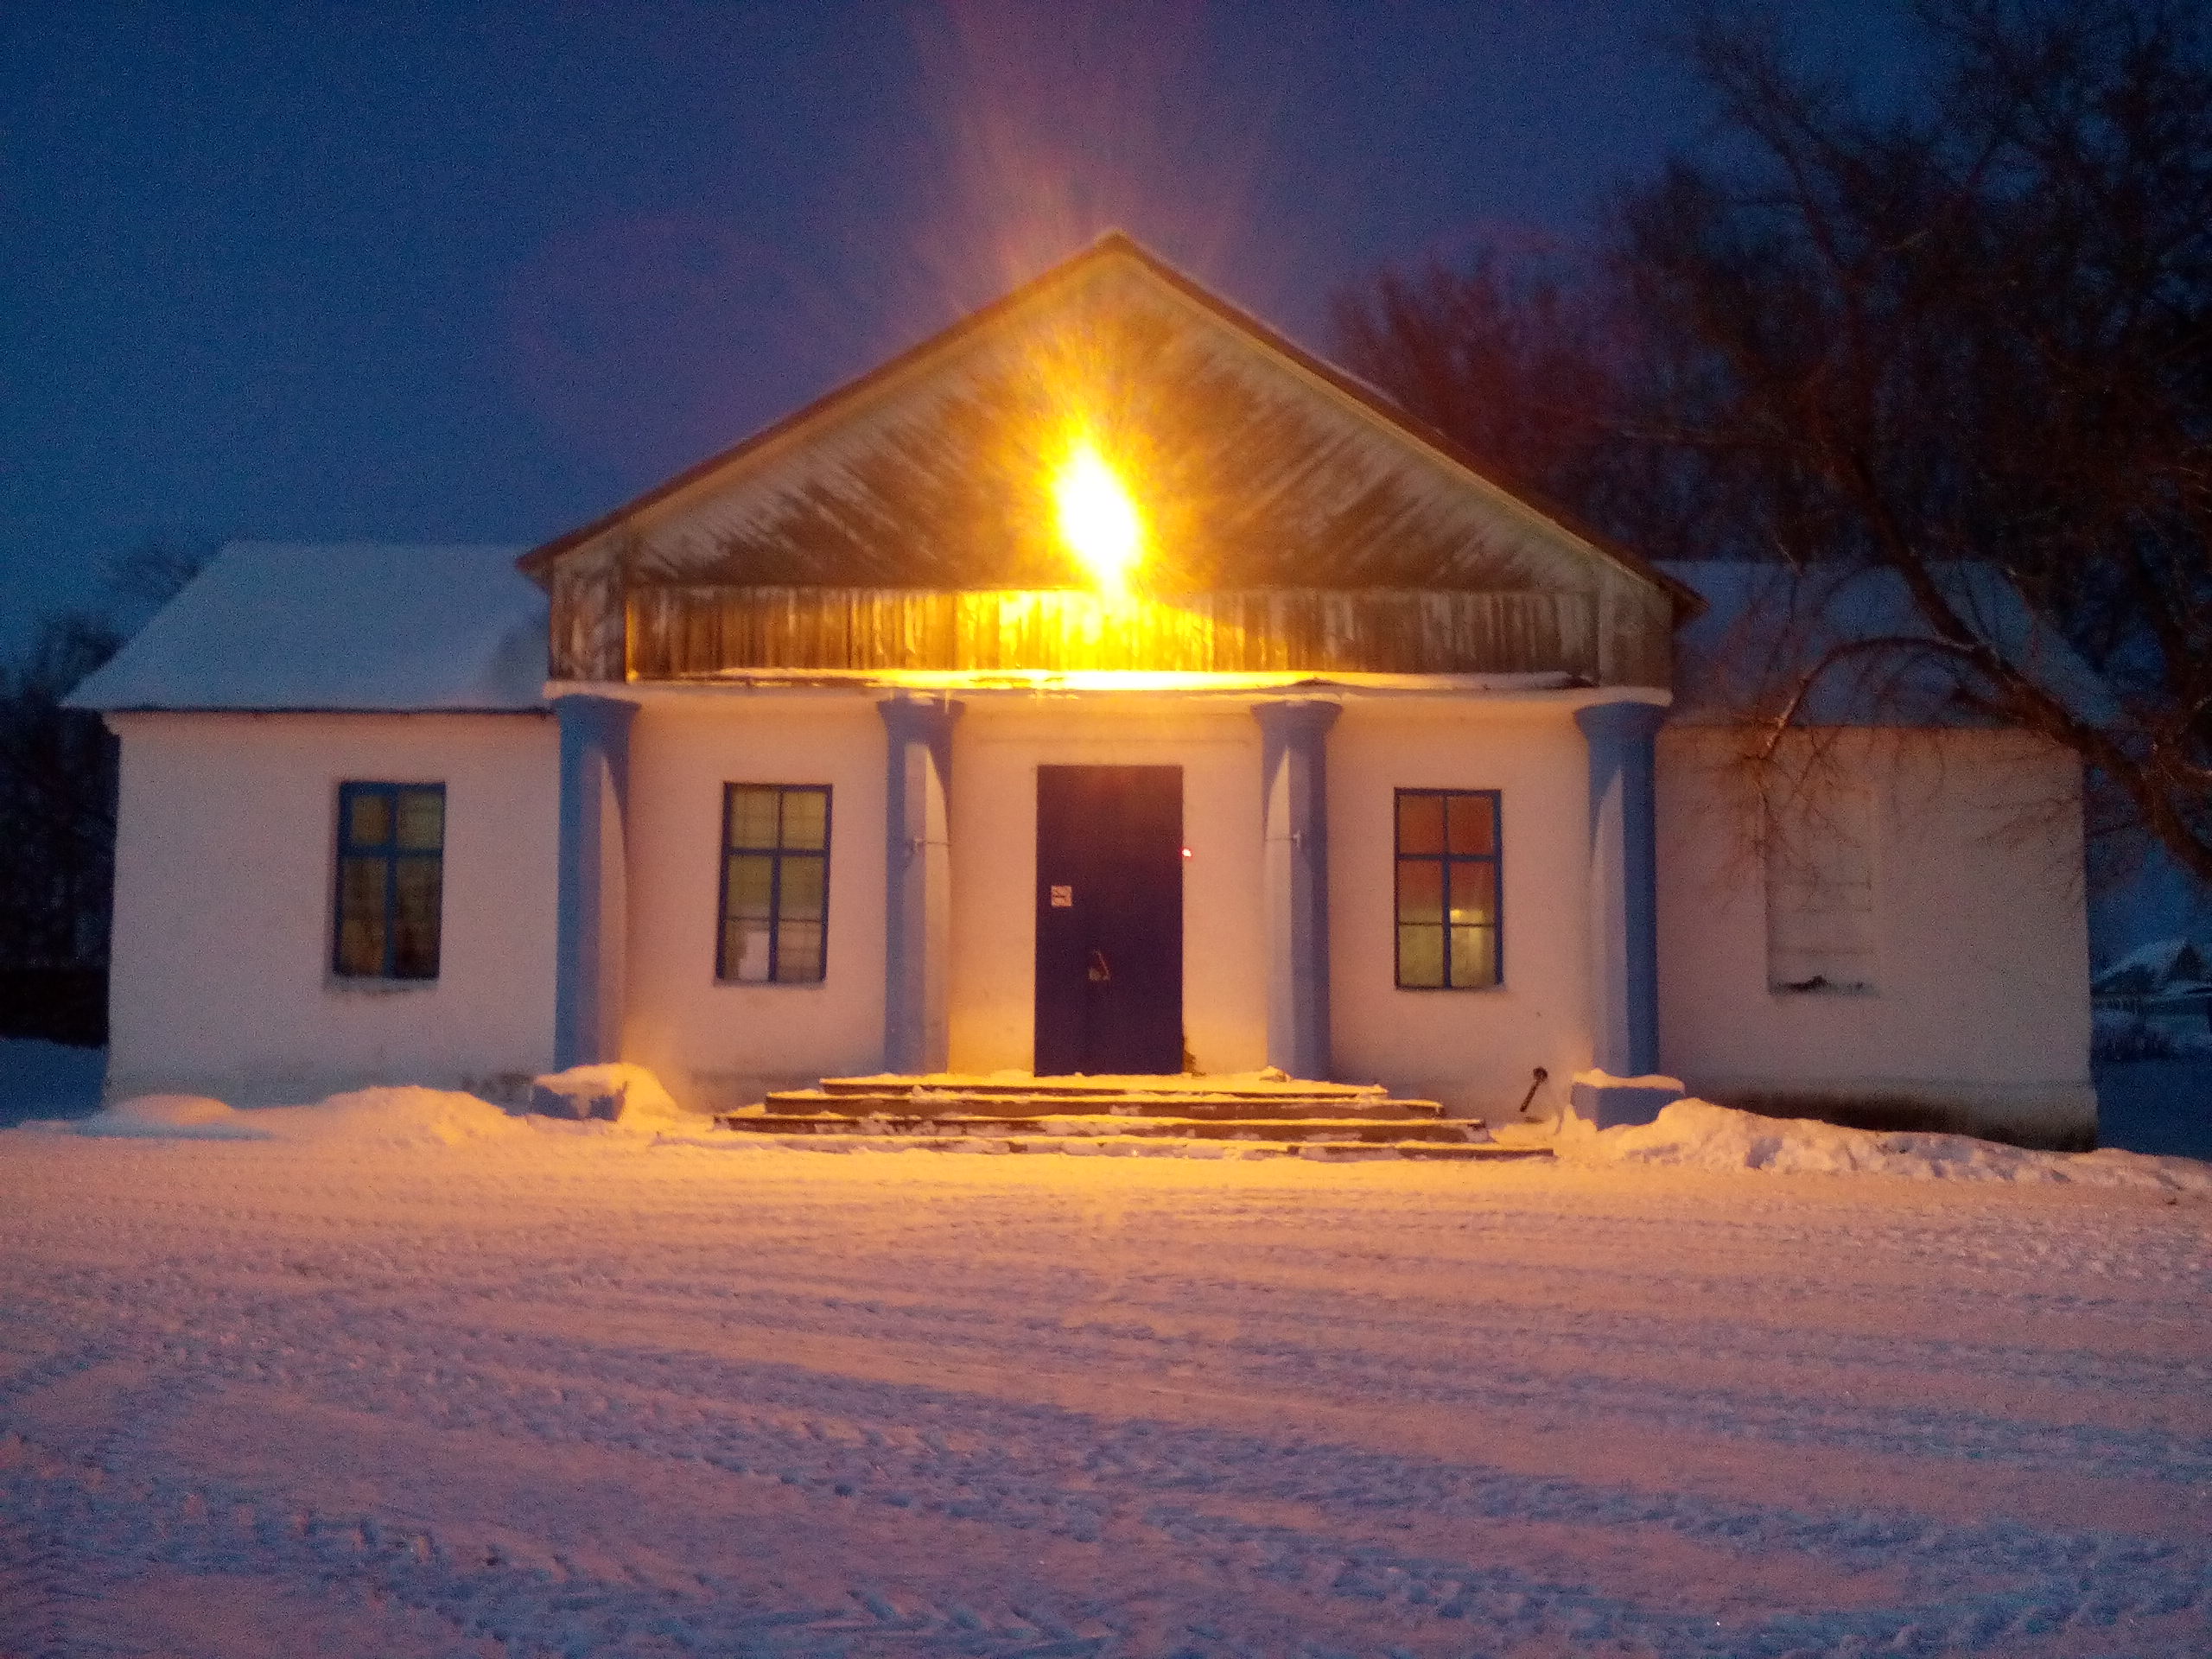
column 776, row 855
column 1444, row 859
column 1818, row 856
column 343, row 848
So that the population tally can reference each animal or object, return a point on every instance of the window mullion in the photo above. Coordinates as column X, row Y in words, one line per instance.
column 776, row 890
column 390, row 883
column 1444, row 863
column 776, row 904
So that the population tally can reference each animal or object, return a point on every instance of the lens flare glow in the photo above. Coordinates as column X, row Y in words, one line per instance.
column 1097, row 519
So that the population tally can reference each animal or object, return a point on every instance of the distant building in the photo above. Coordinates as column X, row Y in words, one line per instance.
column 827, row 756
column 2166, row 984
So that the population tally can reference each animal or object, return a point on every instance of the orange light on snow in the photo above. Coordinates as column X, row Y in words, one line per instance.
column 1098, row 519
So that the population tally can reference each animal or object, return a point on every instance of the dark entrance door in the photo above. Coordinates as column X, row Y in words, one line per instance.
column 1110, row 919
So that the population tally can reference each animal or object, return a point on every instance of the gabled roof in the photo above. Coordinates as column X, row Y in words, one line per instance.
column 810, row 423
column 335, row 628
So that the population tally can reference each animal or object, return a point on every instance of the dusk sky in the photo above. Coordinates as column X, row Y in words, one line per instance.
column 482, row 270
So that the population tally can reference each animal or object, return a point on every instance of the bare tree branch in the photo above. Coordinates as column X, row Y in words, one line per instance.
column 1965, row 328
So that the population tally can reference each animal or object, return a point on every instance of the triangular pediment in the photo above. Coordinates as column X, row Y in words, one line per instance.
column 1255, row 467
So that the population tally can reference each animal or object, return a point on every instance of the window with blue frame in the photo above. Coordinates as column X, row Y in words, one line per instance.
column 775, row 906
column 391, row 856
column 1449, row 932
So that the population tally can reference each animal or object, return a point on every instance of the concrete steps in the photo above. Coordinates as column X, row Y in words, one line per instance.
column 1262, row 1116
column 908, row 1122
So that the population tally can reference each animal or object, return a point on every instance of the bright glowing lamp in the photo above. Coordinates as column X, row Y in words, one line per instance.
column 1099, row 520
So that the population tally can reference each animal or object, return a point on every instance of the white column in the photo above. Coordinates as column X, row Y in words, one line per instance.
column 1294, row 846
column 918, row 914
column 1624, row 914
column 589, row 964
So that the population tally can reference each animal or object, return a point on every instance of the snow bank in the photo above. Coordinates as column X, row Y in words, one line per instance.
column 624, row 1098
column 1697, row 1135
column 395, row 1117
column 365, row 1117
column 164, row 1117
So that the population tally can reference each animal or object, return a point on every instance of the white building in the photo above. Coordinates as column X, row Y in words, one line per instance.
column 828, row 757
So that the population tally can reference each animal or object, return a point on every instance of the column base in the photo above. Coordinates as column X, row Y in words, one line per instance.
column 1608, row 1103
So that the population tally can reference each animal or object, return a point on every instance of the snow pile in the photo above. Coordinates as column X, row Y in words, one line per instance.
column 164, row 1117
column 396, row 1117
column 617, row 1093
column 1697, row 1135
column 403, row 1116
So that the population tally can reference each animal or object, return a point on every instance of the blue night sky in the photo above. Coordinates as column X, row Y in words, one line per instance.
column 484, row 270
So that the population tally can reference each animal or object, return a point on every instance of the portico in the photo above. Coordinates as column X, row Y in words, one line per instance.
column 1203, row 715
column 1282, row 882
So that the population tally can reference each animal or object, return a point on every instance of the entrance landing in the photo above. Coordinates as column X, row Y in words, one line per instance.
column 1284, row 1115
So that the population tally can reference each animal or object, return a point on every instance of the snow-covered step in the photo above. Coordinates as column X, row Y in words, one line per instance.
column 1187, row 1105
column 1139, row 1145
column 908, row 1122
column 1256, row 1109
column 1239, row 1087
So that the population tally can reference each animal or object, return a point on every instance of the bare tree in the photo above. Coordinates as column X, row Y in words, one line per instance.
column 1962, row 336
column 57, row 807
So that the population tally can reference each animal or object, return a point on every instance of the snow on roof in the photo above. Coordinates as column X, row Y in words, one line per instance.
column 2153, row 967
column 1767, row 624
column 340, row 626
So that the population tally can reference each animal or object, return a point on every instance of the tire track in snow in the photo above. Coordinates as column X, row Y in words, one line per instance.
column 2066, row 1582
column 381, row 1326
column 1366, row 1370
column 1474, row 1382
column 829, row 1452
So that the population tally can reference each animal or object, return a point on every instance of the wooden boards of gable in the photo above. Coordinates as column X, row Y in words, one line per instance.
column 1253, row 468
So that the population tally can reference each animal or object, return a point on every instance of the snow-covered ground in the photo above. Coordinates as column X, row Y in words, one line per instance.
column 409, row 1379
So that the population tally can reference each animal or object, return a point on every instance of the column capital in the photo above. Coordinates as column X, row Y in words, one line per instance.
column 590, row 708
column 917, row 719
column 1628, row 721
column 1295, row 717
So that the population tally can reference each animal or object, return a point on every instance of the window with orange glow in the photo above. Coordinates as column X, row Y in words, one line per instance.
column 391, row 865
column 1450, row 930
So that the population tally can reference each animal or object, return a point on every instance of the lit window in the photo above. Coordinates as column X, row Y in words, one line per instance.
column 391, row 856
column 775, row 910
column 1449, row 936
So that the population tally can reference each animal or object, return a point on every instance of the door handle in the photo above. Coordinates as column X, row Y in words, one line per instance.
column 1100, row 972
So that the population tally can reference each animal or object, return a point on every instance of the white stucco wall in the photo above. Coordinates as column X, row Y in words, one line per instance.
column 1981, row 998
column 720, row 1046
column 224, row 888
column 997, row 748
column 1474, row 1049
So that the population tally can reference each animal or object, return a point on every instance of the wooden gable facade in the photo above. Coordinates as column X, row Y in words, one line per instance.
column 1294, row 522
